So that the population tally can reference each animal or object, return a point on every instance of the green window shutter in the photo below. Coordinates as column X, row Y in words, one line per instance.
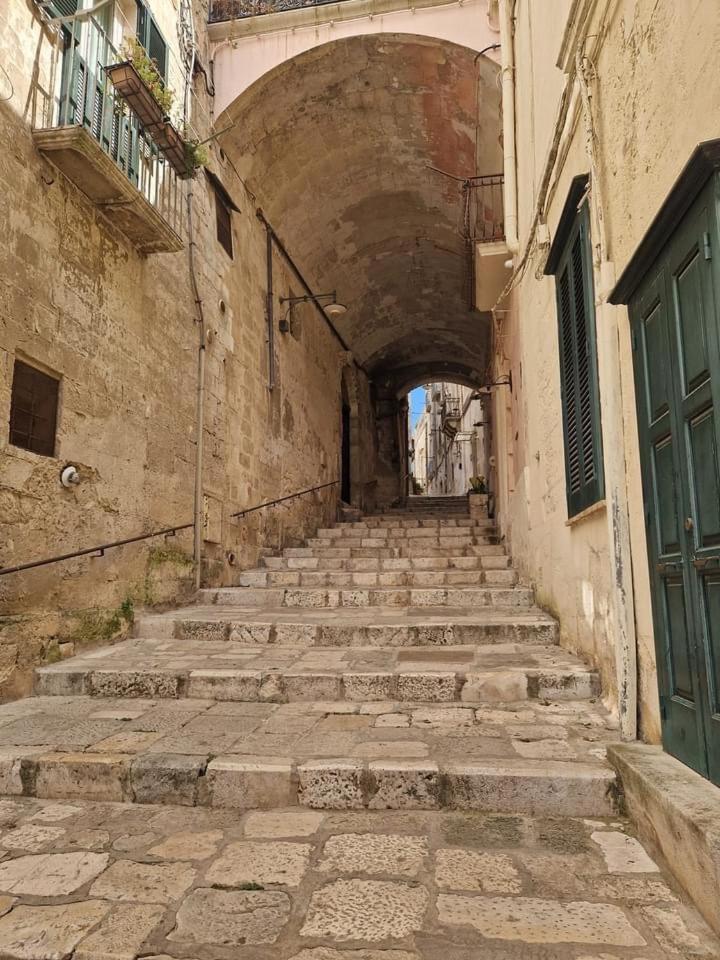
column 578, row 370
column 148, row 33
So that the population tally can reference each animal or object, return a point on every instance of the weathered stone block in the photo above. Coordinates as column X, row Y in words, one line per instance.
column 331, row 784
column 250, row 783
column 166, row 778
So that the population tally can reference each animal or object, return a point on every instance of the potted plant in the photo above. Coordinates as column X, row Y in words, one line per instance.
column 478, row 484
column 138, row 81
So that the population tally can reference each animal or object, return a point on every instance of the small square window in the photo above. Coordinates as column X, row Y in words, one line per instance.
column 33, row 409
column 223, row 218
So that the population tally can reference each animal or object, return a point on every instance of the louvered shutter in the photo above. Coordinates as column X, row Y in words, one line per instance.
column 578, row 371
column 152, row 40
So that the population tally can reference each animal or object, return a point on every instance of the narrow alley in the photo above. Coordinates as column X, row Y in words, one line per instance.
column 359, row 480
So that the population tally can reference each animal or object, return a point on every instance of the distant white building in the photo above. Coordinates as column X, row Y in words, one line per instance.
column 448, row 441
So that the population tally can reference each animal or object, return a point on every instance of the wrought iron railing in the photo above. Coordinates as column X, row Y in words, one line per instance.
column 99, row 549
column 84, row 96
column 490, row 216
column 240, row 9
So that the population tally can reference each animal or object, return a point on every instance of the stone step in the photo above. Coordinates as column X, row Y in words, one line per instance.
column 448, row 543
column 393, row 578
column 497, row 561
column 356, row 531
column 369, row 596
column 321, row 755
column 352, row 626
column 412, row 549
column 209, row 670
column 430, row 523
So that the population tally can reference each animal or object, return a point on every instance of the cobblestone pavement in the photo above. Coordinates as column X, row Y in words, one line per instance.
column 103, row 881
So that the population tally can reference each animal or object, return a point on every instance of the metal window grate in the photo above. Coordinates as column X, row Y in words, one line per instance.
column 223, row 219
column 33, row 409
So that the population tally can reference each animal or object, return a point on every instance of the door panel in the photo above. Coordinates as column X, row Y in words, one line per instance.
column 677, row 369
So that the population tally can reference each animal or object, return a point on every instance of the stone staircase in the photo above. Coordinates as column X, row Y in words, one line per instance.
column 393, row 662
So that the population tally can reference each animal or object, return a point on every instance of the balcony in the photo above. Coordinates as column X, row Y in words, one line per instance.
column 95, row 139
column 491, row 252
column 240, row 9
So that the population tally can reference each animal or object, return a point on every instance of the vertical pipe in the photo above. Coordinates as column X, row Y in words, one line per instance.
column 507, row 56
column 200, row 403
column 269, row 310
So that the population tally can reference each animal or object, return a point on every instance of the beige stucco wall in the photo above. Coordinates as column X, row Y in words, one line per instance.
column 120, row 329
column 655, row 95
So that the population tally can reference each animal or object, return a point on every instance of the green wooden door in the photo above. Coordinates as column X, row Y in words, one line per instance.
column 677, row 369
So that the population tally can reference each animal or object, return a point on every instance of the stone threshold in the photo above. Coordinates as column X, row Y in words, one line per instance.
column 677, row 813
column 527, row 787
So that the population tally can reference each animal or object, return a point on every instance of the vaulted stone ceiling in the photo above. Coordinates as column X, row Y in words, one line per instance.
column 337, row 144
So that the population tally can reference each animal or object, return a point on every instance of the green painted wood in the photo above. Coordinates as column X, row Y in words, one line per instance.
column 578, row 370
column 677, row 372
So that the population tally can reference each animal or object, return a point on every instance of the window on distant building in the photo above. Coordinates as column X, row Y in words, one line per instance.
column 570, row 261
column 33, row 409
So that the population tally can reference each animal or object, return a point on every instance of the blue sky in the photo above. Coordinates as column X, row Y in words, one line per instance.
column 417, row 405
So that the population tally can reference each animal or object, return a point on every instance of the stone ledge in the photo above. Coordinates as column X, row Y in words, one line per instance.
column 677, row 812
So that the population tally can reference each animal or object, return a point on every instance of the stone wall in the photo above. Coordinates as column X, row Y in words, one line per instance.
column 120, row 330
column 654, row 97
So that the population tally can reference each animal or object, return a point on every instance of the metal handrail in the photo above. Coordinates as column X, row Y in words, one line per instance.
column 167, row 532
column 271, row 503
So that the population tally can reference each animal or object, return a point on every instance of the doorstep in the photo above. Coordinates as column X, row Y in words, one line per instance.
column 677, row 812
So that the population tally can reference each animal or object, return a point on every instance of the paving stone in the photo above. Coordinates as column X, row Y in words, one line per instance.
column 121, row 934
column 392, row 720
column 31, row 836
column 472, row 870
column 56, row 812
column 144, row 882
column 369, row 910
column 623, row 854
column 231, row 917
column 274, row 862
column 48, row 932
column 289, row 823
column 633, row 889
column 50, row 874
column 534, row 920
column 372, row 853
column 188, row 846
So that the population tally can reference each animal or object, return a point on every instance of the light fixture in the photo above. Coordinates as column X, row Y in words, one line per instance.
column 332, row 309
column 504, row 381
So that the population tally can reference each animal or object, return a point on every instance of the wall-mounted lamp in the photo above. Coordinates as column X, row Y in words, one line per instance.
column 504, row 381
column 333, row 309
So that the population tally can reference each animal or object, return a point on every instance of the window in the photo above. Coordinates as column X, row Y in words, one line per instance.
column 223, row 219
column 33, row 409
column 148, row 33
column 570, row 261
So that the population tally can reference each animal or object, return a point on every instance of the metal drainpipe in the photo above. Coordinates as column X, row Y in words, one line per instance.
column 269, row 311
column 198, row 513
column 507, row 68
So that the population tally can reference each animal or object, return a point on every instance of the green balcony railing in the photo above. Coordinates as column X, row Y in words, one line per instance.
column 84, row 96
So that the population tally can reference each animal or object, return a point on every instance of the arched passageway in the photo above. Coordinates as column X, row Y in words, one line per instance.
column 360, row 153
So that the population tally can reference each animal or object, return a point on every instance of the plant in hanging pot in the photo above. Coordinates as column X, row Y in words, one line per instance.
column 138, row 81
column 196, row 156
